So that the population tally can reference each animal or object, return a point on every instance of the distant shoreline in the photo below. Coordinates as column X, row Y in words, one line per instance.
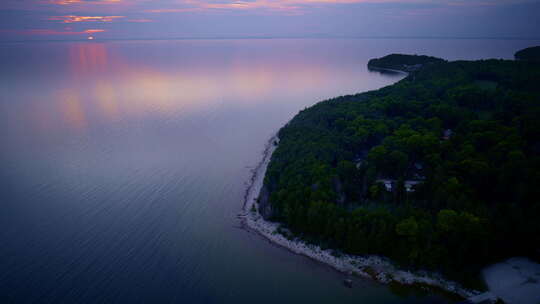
column 382, row 70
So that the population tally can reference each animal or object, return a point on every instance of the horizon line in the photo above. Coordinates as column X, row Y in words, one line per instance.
column 270, row 38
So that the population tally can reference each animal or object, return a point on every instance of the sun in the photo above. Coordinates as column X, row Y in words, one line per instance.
column 90, row 38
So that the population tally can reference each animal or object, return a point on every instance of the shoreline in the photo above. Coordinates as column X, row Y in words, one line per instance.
column 383, row 70
column 377, row 268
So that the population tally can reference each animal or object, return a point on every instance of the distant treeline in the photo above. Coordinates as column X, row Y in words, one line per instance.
column 401, row 62
column 529, row 54
column 439, row 171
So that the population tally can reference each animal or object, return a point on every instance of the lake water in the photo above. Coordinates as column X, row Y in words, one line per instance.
column 124, row 164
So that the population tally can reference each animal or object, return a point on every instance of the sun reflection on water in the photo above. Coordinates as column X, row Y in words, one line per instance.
column 72, row 109
column 108, row 84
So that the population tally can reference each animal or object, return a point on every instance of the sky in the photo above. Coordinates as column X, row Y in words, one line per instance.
column 163, row 19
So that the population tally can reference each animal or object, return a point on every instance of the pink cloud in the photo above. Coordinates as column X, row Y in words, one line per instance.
column 271, row 5
column 68, row 2
column 53, row 32
column 73, row 18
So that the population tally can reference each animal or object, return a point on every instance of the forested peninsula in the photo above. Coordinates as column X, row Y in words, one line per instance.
column 439, row 171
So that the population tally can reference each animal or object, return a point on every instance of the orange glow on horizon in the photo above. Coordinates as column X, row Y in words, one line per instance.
column 55, row 32
column 74, row 18
column 93, row 31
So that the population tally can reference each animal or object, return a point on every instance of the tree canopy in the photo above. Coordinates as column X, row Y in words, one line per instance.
column 531, row 54
column 439, row 171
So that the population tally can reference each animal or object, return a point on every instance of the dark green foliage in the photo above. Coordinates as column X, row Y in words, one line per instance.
column 476, row 197
column 403, row 62
column 530, row 54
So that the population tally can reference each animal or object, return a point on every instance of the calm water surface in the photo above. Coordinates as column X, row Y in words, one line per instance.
column 123, row 165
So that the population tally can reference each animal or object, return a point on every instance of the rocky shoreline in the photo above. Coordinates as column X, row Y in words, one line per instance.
column 374, row 267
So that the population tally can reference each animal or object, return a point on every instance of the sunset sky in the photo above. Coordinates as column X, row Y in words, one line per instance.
column 134, row 19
